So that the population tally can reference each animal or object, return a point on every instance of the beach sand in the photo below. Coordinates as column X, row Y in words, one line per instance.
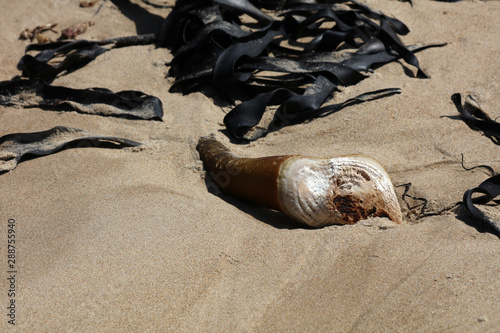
column 131, row 239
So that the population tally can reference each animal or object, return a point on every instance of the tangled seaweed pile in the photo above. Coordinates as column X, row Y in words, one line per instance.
column 288, row 53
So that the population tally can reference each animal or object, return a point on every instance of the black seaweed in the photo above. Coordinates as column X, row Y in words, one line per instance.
column 476, row 118
column 62, row 57
column 31, row 93
column 14, row 146
column 491, row 188
column 293, row 108
column 72, row 55
column 295, row 55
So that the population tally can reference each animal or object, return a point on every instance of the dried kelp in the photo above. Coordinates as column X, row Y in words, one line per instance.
column 484, row 166
column 295, row 54
column 14, row 146
column 67, row 56
column 476, row 118
column 100, row 101
column 491, row 188
column 242, row 121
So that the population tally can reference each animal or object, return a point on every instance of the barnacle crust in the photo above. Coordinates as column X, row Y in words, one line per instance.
column 340, row 190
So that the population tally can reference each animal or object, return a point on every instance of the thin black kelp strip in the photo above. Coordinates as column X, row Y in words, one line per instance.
column 491, row 188
column 365, row 97
column 367, row 58
column 100, row 101
column 249, row 113
column 476, row 118
column 339, row 73
column 50, row 49
column 484, row 166
column 14, row 146
column 74, row 54
column 294, row 108
column 424, row 203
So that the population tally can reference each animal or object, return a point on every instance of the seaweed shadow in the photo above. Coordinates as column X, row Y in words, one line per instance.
column 463, row 215
column 145, row 22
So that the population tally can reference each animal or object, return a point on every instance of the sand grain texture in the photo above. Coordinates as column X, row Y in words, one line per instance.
column 131, row 240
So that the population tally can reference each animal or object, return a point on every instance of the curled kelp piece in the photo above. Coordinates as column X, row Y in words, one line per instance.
column 244, row 121
column 72, row 55
column 293, row 54
column 313, row 191
column 99, row 101
column 476, row 118
column 14, row 146
column 491, row 189
column 188, row 13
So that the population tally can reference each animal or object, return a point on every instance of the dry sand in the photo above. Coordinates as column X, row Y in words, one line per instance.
column 131, row 240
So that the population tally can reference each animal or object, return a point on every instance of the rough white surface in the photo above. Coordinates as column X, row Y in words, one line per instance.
column 307, row 184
